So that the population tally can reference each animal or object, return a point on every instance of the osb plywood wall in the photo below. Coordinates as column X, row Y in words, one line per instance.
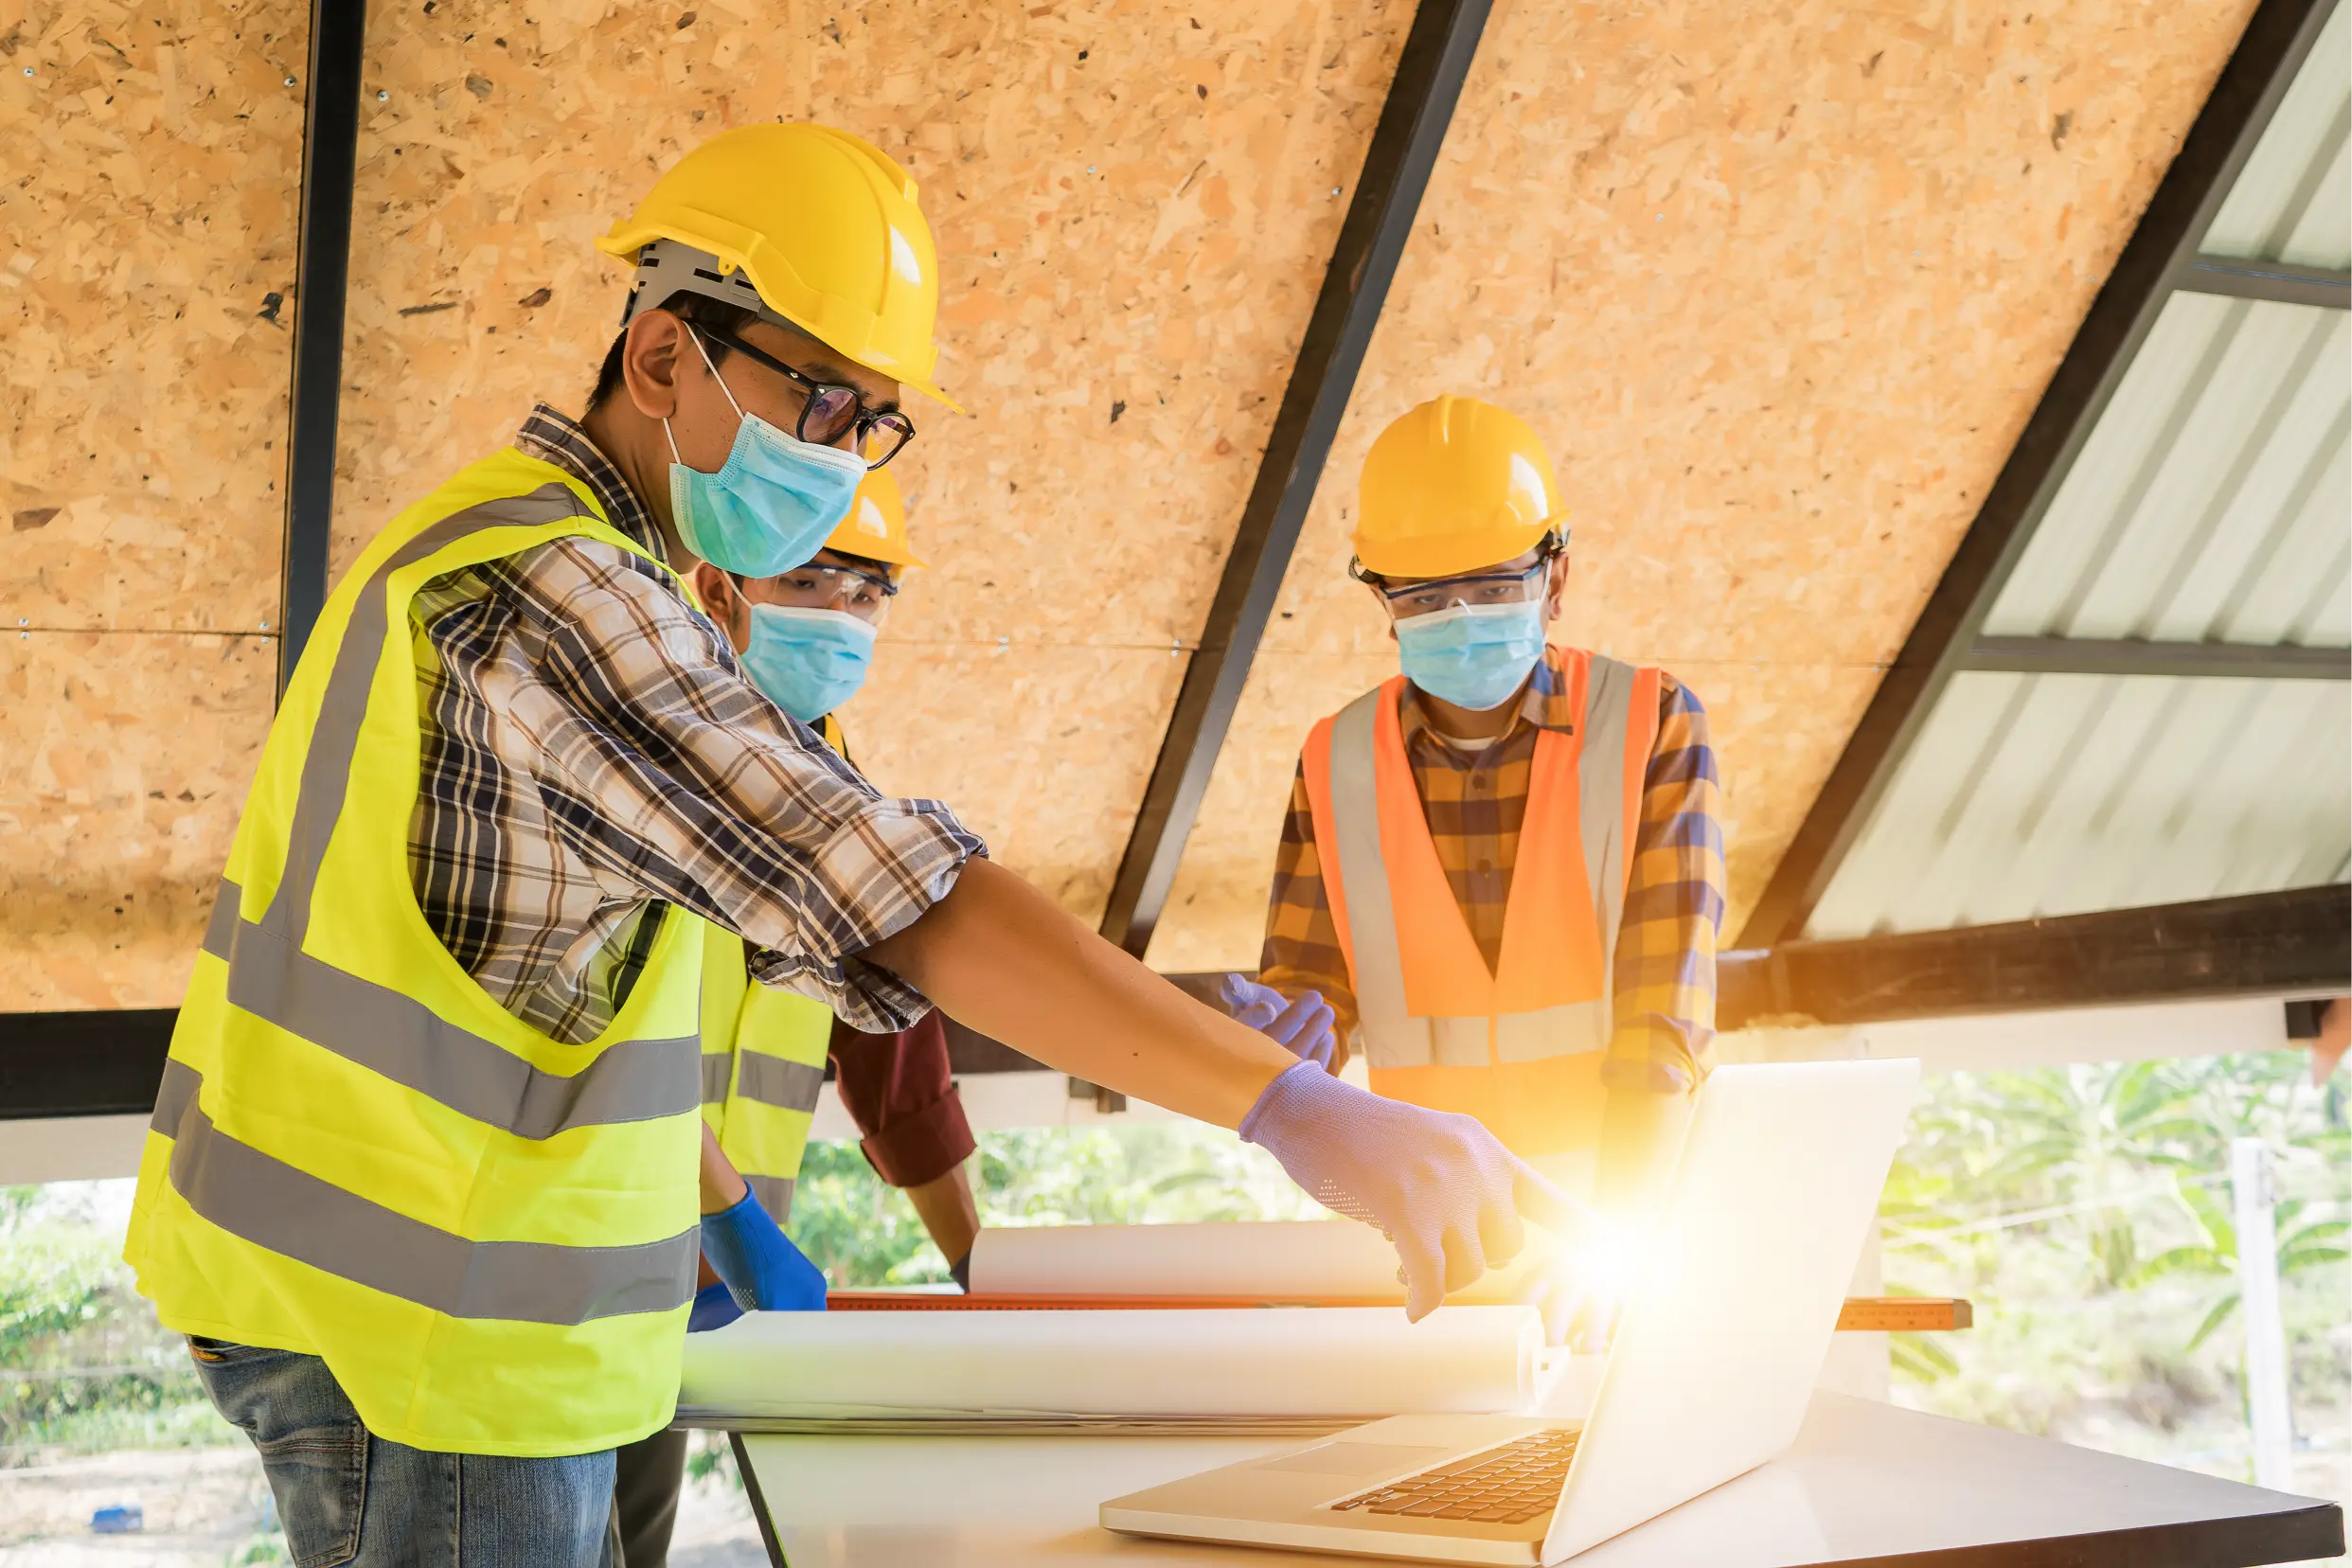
column 1779, row 287
column 1132, row 202
column 128, row 759
column 148, row 161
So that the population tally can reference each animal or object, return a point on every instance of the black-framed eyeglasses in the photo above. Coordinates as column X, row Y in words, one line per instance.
column 831, row 410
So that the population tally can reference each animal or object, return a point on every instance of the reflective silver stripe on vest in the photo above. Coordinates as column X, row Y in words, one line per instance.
column 718, row 1068
column 774, row 1194
column 343, row 709
column 271, row 1204
column 220, row 927
column 1393, row 1036
column 180, row 1083
column 774, row 1080
column 379, row 1028
column 1600, row 782
column 402, row 1040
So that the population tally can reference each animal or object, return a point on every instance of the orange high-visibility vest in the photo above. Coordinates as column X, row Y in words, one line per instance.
column 1519, row 1046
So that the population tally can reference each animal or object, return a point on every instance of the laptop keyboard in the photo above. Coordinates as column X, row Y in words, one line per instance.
column 1509, row 1485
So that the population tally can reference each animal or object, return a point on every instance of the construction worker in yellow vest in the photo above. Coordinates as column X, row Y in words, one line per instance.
column 806, row 639
column 427, row 1179
column 1502, row 869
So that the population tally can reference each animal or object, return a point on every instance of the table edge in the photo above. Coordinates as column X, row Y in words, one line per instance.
column 2313, row 1531
column 2295, row 1535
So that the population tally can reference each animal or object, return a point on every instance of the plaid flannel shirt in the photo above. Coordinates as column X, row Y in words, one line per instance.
column 1664, row 979
column 591, row 754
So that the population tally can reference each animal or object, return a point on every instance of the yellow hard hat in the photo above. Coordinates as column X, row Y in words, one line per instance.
column 1455, row 485
column 875, row 526
column 822, row 224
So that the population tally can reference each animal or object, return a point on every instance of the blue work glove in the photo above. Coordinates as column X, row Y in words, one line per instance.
column 1303, row 1027
column 713, row 1308
column 763, row 1271
column 1436, row 1183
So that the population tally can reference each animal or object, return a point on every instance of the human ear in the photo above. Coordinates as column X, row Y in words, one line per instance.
column 1381, row 599
column 650, row 363
column 722, row 603
column 1555, row 587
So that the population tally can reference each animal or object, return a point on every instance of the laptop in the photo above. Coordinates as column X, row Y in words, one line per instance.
column 1716, row 1350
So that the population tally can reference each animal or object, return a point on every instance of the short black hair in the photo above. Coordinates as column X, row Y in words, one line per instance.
column 700, row 311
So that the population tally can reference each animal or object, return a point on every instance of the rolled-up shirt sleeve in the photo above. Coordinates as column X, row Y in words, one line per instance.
column 676, row 778
column 901, row 1091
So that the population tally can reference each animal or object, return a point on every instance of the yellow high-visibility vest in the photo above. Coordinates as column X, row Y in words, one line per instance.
column 763, row 1061
column 490, row 1236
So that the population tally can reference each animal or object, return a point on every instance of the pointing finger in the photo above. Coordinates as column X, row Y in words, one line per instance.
column 1539, row 1201
column 1424, row 1272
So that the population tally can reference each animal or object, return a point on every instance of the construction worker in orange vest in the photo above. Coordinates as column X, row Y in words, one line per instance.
column 1503, row 869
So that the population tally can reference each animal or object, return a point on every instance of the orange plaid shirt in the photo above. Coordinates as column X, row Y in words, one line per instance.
column 1664, row 964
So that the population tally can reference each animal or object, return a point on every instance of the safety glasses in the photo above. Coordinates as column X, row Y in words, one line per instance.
column 864, row 595
column 832, row 411
column 1428, row 596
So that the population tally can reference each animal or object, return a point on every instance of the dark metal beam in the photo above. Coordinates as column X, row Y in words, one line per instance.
column 1429, row 72
column 2304, row 1014
column 2263, row 944
column 82, row 1063
column 2132, row 656
column 2280, row 281
column 322, row 276
column 2218, row 146
column 970, row 1051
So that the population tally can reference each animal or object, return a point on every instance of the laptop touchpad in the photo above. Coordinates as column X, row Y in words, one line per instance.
column 1354, row 1459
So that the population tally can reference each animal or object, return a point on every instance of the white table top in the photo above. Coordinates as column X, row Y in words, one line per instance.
column 1866, row 1483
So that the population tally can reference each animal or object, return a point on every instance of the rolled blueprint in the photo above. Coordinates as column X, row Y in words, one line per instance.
column 1300, row 1260
column 1348, row 1363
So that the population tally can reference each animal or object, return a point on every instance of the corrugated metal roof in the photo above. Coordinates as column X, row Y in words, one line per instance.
column 2293, row 201
column 2055, row 794
column 2211, row 501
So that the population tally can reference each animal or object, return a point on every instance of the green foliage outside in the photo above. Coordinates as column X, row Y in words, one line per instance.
column 84, row 1365
column 2084, row 1210
column 863, row 1234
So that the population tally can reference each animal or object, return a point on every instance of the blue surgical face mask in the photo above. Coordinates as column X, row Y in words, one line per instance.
column 1472, row 655
column 808, row 662
column 770, row 508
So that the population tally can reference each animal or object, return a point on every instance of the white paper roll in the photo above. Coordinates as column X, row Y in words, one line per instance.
column 1283, row 1258
column 1351, row 1363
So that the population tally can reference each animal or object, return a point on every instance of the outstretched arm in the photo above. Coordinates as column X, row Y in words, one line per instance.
column 998, row 956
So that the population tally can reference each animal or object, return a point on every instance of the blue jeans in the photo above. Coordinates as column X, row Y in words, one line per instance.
column 346, row 1496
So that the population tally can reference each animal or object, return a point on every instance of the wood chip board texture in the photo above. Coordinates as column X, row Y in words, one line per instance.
column 150, row 163
column 129, row 757
column 1779, row 288
column 1133, row 203
column 1695, row 377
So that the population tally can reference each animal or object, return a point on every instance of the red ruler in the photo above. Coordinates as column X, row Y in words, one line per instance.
column 1860, row 1313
